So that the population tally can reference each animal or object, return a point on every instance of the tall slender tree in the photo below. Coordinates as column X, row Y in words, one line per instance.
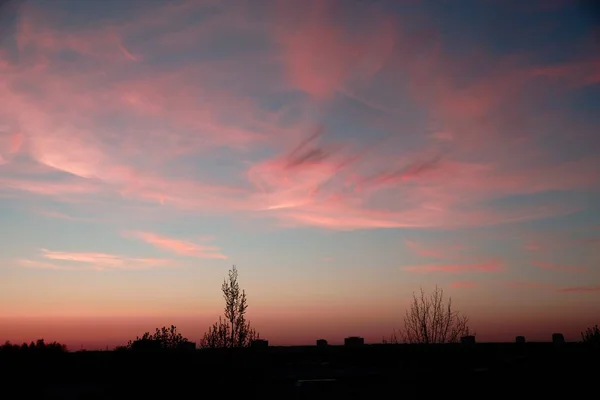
column 233, row 330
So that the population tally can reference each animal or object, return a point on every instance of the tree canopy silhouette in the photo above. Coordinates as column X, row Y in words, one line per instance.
column 168, row 338
column 591, row 335
column 430, row 320
column 232, row 329
column 38, row 346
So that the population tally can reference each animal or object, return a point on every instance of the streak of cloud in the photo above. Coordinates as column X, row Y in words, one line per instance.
column 179, row 246
column 95, row 261
column 168, row 113
column 463, row 284
column 559, row 267
column 455, row 268
column 580, row 289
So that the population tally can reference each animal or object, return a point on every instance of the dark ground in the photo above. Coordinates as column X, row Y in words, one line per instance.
column 369, row 372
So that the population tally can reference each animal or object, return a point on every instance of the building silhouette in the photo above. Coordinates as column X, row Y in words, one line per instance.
column 186, row 346
column 146, row 344
column 259, row 343
column 558, row 338
column 468, row 340
column 354, row 341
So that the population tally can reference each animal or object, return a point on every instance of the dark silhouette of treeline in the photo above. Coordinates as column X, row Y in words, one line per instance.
column 36, row 347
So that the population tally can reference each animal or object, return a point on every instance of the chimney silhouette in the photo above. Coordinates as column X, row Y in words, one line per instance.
column 558, row 338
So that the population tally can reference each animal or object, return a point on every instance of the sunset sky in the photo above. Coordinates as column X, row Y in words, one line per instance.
column 341, row 154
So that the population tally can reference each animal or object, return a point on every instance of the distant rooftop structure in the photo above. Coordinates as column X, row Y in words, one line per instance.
column 321, row 343
column 353, row 341
column 520, row 339
column 187, row 346
column 150, row 344
column 146, row 344
column 558, row 338
column 469, row 339
column 260, row 343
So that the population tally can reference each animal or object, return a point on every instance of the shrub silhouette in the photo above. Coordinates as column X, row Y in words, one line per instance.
column 168, row 338
column 591, row 335
column 34, row 347
column 232, row 329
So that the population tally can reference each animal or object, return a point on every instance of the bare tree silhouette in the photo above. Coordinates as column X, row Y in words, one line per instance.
column 232, row 330
column 591, row 335
column 430, row 320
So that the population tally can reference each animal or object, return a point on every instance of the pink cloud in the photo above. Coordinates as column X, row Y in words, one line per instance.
column 76, row 145
column 211, row 106
column 16, row 141
column 456, row 268
column 319, row 193
column 9, row 145
column 580, row 73
column 58, row 215
column 485, row 180
column 525, row 284
column 182, row 247
column 489, row 113
column 321, row 56
column 43, row 265
column 294, row 179
column 52, row 188
column 580, row 289
column 463, row 284
column 39, row 34
column 532, row 246
column 96, row 261
column 553, row 243
column 559, row 267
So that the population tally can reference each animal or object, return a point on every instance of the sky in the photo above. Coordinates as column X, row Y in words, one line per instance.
column 342, row 154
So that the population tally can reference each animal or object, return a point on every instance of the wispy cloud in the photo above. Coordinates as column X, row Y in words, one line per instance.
column 179, row 100
column 580, row 289
column 528, row 284
column 63, row 216
column 559, row 267
column 321, row 57
column 532, row 246
column 92, row 261
column 34, row 264
column 463, row 284
column 178, row 246
column 493, row 266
